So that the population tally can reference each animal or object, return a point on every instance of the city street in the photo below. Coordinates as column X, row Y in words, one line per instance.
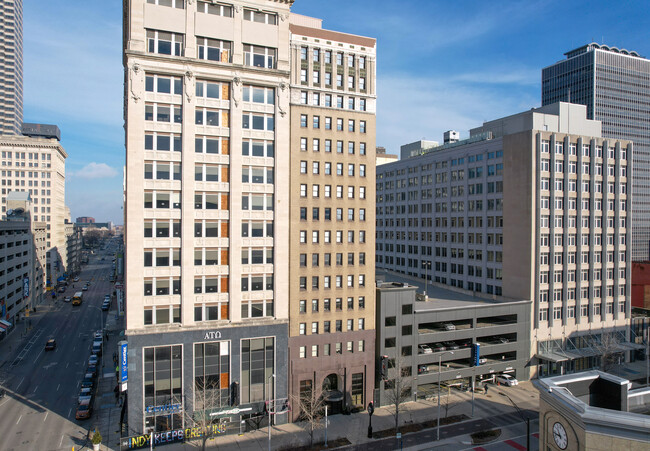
column 38, row 410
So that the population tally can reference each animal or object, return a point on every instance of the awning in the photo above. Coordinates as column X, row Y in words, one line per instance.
column 552, row 357
column 6, row 323
column 333, row 396
column 628, row 346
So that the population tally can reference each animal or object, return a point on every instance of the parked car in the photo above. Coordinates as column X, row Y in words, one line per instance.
column 93, row 359
column 97, row 348
column 67, row 299
column 450, row 345
column 423, row 369
column 438, row 347
column 84, row 410
column 106, row 306
column 502, row 340
column 92, row 369
column 85, row 288
column 88, row 381
column 50, row 345
column 61, row 289
column 506, row 379
column 482, row 361
column 98, row 335
column 424, row 349
column 448, row 326
column 76, row 279
column 85, row 394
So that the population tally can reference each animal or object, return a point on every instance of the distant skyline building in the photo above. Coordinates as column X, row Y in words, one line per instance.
column 530, row 206
column 11, row 67
column 614, row 84
column 85, row 220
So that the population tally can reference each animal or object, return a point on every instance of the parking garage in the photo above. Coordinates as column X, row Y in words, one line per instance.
column 469, row 339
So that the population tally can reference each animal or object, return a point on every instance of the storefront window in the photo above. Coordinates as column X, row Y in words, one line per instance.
column 257, row 366
column 163, row 397
column 211, row 375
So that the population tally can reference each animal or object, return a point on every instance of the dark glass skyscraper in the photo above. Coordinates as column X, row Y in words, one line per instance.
column 614, row 84
column 11, row 67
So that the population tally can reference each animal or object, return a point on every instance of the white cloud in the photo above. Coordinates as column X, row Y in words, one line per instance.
column 95, row 171
column 412, row 108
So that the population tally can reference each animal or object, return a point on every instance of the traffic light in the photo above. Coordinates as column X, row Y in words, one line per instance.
column 234, row 393
column 384, row 367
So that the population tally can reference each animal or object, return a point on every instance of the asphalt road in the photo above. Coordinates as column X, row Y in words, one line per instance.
column 38, row 411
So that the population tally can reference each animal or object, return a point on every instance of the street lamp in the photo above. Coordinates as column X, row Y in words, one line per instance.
column 525, row 418
column 439, row 366
column 271, row 377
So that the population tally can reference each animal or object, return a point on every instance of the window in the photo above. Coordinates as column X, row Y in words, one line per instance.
column 258, row 56
column 260, row 17
column 257, row 359
column 214, row 50
column 258, row 121
column 214, row 9
column 164, row 84
column 162, row 113
column 258, row 94
column 164, row 43
column 208, row 116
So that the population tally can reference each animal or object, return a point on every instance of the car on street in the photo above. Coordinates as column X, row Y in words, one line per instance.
column 92, row 369
column 85, row 288
column 84, row 410
column 88, row 381
column 50, row 345
column 506, row 379
column 61, row 289
column 67, row 299
column 93, row 360
column 84, row 395
column 97, row 347
column 424, row 349
column 105, row 306
column 76, row 279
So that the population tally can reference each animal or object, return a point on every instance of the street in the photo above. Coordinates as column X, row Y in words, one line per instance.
column 38, row 410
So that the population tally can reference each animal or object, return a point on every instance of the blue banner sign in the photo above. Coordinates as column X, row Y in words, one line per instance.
column 124, row 367
column 25, row 287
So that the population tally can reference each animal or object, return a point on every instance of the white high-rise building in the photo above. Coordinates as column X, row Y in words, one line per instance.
column 11, row 66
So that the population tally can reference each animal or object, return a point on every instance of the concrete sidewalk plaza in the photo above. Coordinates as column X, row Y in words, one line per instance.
column 354, row 427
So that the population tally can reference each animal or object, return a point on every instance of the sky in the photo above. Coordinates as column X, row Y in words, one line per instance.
column 441, row 65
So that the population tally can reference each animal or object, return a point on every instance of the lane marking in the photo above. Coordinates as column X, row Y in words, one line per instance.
column 39, row 354
column 21, row 381
column 46, row 414
column 515, row 445
column 57, row 387
column 69, row 411
column 19, row 418
column 67, row 364
column 61, row 442
column 36, row 388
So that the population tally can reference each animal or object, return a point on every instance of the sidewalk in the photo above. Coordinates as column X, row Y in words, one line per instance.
column 106, row 417
column 13, row 343
column 354, row 427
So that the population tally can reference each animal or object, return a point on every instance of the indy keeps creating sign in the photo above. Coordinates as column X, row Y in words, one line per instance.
column 175, row 436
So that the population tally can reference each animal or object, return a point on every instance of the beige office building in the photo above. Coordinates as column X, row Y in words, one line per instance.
column 36, row 165
column 207, row 137
column 332, row 295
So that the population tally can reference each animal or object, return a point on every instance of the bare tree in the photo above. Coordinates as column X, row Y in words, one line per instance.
column 609, row 350
column 311, row 405
column 448, row 402
column 207, row 399
column 398, row 388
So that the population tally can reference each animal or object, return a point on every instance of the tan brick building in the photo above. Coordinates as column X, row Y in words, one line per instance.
column 332, row 186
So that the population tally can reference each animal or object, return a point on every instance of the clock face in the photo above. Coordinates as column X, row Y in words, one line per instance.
column 560, row 436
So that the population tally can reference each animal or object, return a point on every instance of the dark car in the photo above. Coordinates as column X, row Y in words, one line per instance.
column 50, row 345
column 451, row 345
column 92, row 369
column 97, row 348
column 438, row 347
column 88, row 381
column 106, row 306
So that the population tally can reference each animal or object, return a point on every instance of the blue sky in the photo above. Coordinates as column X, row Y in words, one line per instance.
column 441, row 65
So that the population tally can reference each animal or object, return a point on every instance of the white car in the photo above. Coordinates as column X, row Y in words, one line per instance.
column 506, row 379
column 424, row 349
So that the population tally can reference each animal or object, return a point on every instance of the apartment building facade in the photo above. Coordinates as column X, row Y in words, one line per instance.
column 36, row 165
column 614, row 84
column 11, row 67
column 206, row 210
column 331, row 292
column 532, row 206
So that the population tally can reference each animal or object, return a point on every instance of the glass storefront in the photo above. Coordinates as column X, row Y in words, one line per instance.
column 163, row 395
column 257, row 366
column 211, row 375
